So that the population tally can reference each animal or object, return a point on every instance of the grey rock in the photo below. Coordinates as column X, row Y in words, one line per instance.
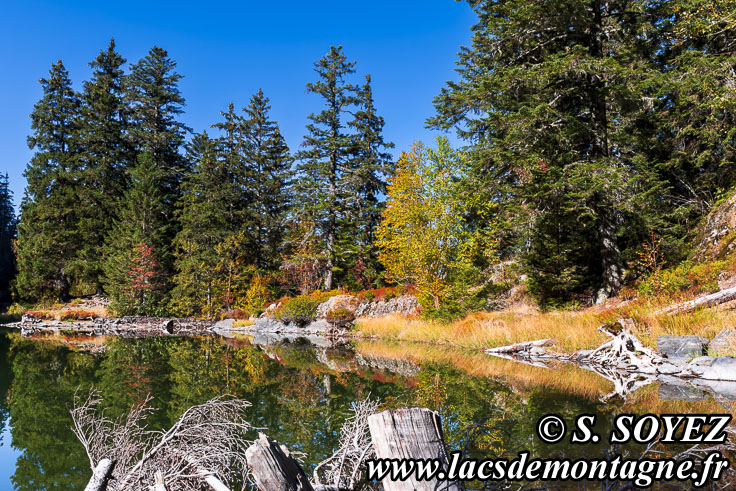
column 681, row 392
column 721, row 388
column 405, row 304
column 224, row 324
column 681, row 348
column 723, row 342
column 720, row 368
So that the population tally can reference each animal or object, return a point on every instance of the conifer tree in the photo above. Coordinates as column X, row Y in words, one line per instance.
column 155, row 103
column 47, row 238
column 551, row 97
column 8, row 230
column 370, row 167
column 138, row 253
column 204, row 223
column 230, row 151
column 326, row 158
column 267, row 159
column 105, row 155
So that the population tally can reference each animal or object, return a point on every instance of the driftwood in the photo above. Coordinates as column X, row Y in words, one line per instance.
column 100, row 476
column 414, row 433
column 519, row 347
column 711, row 300
column 346, row 466
column 160, row 484
column 273, row 468
column 206, row 445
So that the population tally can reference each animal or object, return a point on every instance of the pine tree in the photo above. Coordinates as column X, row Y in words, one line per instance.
column 370, row 167
column 326, row 159
column 8, row 230
column 552, row 97
column 47, row 240
column 269, row 175
column 105, row 154
column 138, row 252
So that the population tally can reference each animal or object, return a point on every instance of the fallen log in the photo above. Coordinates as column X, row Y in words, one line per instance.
column 711, row 300
column 273, row 468
column 100, row 476
column 518, row 347
column 413, row 433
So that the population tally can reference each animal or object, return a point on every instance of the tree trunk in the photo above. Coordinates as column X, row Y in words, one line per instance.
column 414, row 433
column 611, row 276
column 273, row 468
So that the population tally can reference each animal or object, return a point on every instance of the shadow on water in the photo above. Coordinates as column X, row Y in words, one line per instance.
column 301, row 394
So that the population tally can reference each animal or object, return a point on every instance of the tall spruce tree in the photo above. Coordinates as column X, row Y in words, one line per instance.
column 8, row 231
column 205, row 223
column 105, row 155
column 327, row 158
column 155, row 101
column 47, row 240
column 138, row 260
column 230, row 151
column 551, row 96
column 367, row 181
column 269, row 176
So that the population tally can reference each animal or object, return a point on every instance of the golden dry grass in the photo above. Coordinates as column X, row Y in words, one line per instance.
column 571, row 330
column 523, row 378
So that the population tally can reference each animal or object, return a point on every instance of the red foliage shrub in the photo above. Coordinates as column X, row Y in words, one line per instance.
column 80, row 314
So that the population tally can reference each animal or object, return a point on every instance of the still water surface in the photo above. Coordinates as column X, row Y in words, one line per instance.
column 300, row 393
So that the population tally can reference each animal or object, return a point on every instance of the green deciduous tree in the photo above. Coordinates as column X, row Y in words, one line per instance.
column 425, row 237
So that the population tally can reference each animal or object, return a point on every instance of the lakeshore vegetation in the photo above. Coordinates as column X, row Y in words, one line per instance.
column 597, row 135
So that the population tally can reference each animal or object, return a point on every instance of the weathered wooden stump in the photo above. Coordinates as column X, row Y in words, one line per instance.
column 100, row 476
column 273, row 468
column 412, row 433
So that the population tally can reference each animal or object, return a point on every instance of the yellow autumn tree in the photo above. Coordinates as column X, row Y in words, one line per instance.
column 424, row 235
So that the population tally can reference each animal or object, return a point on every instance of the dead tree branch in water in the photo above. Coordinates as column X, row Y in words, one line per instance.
column 205, row 447
column 344, row 469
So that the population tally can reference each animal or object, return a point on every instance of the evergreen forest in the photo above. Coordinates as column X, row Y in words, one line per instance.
column 595, row 138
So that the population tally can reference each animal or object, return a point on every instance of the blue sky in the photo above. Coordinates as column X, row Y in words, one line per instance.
column 227, row 50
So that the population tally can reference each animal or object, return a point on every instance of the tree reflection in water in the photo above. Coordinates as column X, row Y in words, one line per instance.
column 300, row 394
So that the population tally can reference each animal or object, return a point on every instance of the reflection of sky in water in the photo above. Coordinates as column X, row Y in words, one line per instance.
column 8, row 456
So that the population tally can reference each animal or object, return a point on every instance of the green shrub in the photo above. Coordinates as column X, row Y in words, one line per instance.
column 299, row 310
column 340, row 316
column 367, row 295
column 687, row 276
column 17, row 309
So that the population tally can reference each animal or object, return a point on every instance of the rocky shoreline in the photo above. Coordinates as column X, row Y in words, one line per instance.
column 680, row 362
